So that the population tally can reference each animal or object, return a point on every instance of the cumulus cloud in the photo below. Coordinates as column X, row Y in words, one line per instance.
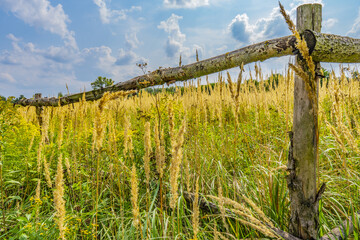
column 176, row 38
column 190, row 53
column 47, row 70
column 7, row 58
column 103, row 56
column 264, row 28
column 222, row 48
column 120, row 66
column 35, row 69
column 7, row 78
column 355, row 29
column 241, row 29
column 40, row 13
column 296, row 3
column 175, row 43
column 185, row 3
column 310, row 1
column 131, row 40
column 12, row 37
column 108, row 15
column 60, row 54
column 329, row 23
column 125, row 57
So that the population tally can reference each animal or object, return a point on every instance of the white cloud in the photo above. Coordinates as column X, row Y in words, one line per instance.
column 355, row 29
column 12, row 37
column 40, row 13
column 189, row 54
column 120, row 67
column 264, row 28
column 125, row 57
column 108, row 15
column 310, row 1
column 300, row 2
column 48, row 69
column 222, row 48
column 7, row 77
column 241, row 29
column 131, row 40
column 176, row 38
column 121, row 64
column 175, row 44
column 103, row 56
column 329, row 23
column 185, row 3
column 37, row 70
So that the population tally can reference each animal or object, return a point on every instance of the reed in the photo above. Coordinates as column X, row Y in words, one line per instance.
column 59, row 201
column 130, row 158
column 175, row 164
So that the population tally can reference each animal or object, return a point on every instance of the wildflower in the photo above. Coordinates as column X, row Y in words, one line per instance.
column 134, row 196
column 175, row 164
column 58, row 198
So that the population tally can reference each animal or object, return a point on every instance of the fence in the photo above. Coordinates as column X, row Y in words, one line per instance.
column 303, row 152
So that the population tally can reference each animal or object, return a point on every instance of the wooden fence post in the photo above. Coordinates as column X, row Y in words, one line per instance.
column 303, row 154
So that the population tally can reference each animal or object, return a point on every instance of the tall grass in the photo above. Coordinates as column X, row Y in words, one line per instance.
column 128, row 159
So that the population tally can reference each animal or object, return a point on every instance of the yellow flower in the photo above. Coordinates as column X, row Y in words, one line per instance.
column 38, row 201
column 27, row 225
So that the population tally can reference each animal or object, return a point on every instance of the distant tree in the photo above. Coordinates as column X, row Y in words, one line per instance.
column 325, row 78
column 60, row 94
column 14, row 99
column 355, row 75
column 102, row 82
column 326, row 73
column 272, row 81
column 2, row 98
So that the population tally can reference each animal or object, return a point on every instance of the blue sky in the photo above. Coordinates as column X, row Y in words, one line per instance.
column 46, row 44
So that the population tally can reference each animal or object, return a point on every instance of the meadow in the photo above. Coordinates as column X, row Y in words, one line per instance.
column 134, row 165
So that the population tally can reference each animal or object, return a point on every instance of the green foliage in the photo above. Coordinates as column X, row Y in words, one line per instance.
column 326, row 73
column 325, row 79
column 15, row 100
column 247, row 158
column 102, row 82
column 355, row 75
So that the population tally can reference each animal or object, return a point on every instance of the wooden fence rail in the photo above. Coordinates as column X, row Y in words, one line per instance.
column 324, row 48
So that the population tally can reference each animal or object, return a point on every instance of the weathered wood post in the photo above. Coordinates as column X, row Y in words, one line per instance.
column 304, row 146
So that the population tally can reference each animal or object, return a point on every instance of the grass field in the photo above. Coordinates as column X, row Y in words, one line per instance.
column 119, row 168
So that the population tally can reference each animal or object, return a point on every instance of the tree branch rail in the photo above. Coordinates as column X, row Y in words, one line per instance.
column 324, row 48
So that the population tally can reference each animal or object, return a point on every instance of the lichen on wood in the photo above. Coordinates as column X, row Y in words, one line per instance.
column 334, row 48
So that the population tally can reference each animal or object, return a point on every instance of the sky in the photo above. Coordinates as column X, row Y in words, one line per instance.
column 46, row 45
